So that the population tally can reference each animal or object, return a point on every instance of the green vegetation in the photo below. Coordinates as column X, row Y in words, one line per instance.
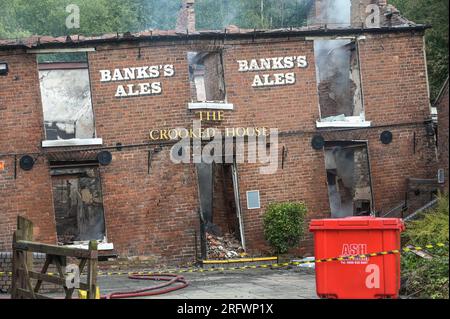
column 284, row 225
column 428, row 278
column 261, row 14
column 62, row 57
column 20, row 18
column 434, row 12
column 47, row 17
column 432, row 227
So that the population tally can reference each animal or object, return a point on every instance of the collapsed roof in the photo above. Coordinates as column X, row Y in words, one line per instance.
column 390, row 21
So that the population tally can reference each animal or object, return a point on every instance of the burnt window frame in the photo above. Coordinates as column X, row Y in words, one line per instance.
column 84, row 141
column 221, row 104
column 362, row 122
column 68, row 170
column 354, row 143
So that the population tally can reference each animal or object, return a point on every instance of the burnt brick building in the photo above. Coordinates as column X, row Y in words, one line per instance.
column 350, row 101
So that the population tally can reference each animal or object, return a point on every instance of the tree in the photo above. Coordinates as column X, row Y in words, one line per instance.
column 9, row 26
column 260, row 14
column 48, row 17
column 434, row 12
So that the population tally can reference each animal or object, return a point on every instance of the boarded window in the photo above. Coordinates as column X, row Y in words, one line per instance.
column 206, row 76
column 66, row 96
column 338, row 80
column 78, row 204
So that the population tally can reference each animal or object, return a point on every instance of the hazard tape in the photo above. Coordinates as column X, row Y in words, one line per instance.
column 267, row 266
column 235, row 261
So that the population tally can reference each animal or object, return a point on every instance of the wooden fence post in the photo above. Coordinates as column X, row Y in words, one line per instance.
column 92, row 270
column 24, row 232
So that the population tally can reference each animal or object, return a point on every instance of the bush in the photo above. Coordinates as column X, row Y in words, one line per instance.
column 428, row 278
column 432, row 226
column 284, row 225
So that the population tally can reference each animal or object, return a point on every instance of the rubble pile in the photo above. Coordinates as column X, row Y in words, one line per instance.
column 224, row 247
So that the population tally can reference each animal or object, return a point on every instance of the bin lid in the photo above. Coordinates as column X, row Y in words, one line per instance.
column 363, row 222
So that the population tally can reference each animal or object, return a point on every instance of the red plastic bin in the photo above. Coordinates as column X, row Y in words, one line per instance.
column 361, row 278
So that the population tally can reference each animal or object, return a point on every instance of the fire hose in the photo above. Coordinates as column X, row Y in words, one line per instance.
column 172, row 282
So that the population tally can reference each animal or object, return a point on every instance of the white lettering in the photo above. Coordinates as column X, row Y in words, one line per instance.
column 105, row 75
column 169, row 70
column 257, row 81
column 138, row 73
column 243, row 65
column 156, row 88
column 289, row 62
column 277, row 63
column 121, row 91
column 154, row 71
column 279, row 79
column 131, row 91
column 302, row 62
column 129, row 73
column 265, row 64
column 254, row 65
column 145, row 89
column 290, row 78
column 117, row 76
column 142, row 72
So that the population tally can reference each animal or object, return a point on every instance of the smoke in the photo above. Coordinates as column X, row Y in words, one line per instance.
column 334, row 13
column 218, row 14
column 340, row 183
column 260, row 14
column 331, row 55
column 230, row 16
column 336, row 88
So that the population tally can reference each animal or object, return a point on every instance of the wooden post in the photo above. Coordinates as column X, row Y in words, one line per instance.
column 92, row 270
column 19, row 280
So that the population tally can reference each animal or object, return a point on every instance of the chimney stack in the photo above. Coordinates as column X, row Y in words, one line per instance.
column 329, row 11
column 186, row 17
column 358, row 10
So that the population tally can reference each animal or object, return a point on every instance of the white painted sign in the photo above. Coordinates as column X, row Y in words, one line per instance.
column 271, row 64
column 138, row 73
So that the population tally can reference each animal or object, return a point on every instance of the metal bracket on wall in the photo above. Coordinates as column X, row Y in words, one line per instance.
column 149, row 161
column 284, row 156
column 150, row 157
column 139, row 53
column 15, row 166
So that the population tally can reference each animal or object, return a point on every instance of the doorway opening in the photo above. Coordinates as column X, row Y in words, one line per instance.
column 348, row 178
column 78, row 204
column 220, row 211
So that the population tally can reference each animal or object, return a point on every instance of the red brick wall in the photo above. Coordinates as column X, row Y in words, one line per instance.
column 156, row 213
column 442, row 107
column 21, row 131
column 253, row 107
column 394, row 79
column 395, row 92
column 224, row 209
